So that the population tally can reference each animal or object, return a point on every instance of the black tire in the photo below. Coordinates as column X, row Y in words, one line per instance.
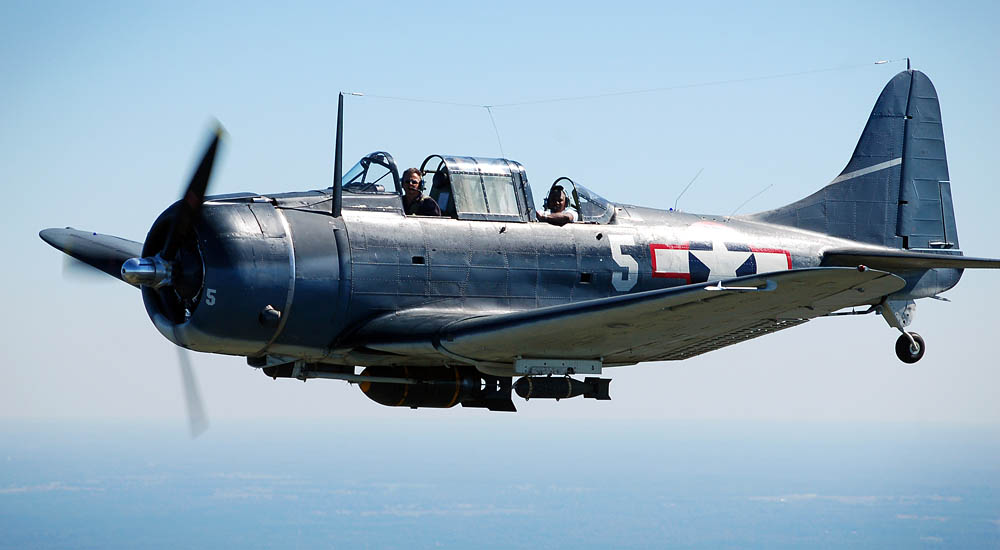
column 904, row 352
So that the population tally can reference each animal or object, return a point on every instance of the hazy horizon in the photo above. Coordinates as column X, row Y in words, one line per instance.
column 456, row 484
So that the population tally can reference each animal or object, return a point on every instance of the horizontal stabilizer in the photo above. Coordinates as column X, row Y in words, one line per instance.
column 104, row 252
column 889, row 260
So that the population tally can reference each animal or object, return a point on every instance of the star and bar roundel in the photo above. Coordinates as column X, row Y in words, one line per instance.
column 714, row 260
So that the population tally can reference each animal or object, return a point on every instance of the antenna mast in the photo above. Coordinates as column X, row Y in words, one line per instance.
column 687, row 187
column 338, row 159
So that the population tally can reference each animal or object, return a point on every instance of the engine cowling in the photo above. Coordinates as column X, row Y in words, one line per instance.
column 230, row 283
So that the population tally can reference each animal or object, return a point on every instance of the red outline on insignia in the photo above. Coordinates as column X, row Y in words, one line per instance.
column 788, row 256
column 653, row 247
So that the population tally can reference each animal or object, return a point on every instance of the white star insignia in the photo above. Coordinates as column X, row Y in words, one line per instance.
column 722, row 263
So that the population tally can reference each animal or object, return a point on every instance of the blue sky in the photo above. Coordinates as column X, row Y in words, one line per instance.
column 105, row 107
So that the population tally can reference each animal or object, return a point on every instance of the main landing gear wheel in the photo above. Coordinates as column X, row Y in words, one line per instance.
column 907, row 351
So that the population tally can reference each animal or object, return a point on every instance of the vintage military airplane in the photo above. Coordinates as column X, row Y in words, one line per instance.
column 446, row 310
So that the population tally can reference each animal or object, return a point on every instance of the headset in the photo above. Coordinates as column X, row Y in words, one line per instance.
column 545, row 203
column 423, row 184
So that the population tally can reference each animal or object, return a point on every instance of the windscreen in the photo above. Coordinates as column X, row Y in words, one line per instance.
column 375, row 173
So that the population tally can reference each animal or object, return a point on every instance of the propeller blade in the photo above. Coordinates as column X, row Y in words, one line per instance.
column 194, row 196
column 75, row 269
column 104, row 252
column 197, row 420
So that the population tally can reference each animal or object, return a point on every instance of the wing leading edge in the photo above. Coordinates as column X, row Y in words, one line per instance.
column 666, row 324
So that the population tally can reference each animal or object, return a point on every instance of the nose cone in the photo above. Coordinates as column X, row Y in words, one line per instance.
column 152, row 272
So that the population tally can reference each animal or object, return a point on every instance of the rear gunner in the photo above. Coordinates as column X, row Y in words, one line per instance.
column 557, row 213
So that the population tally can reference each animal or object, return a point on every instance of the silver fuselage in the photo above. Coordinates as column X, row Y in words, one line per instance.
column 329, row 277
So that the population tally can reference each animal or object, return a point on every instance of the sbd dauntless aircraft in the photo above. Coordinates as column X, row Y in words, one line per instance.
column 446, row 310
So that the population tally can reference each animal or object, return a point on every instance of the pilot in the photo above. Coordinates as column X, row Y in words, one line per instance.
column 557, row 214
column 414, row 201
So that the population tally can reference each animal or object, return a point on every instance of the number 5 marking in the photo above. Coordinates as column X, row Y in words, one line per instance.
column 621, row 282
column 209, row 296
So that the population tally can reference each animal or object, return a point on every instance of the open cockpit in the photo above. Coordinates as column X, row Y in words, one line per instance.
column 467, row 188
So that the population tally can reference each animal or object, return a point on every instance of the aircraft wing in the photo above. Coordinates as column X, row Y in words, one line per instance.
column 666, row 324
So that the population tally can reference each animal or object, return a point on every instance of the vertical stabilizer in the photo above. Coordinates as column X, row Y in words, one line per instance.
column 895, row 190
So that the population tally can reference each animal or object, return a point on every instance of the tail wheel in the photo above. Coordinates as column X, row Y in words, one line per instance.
column 907, row 351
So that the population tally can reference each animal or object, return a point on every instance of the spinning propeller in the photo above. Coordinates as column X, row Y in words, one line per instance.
column 168, row 264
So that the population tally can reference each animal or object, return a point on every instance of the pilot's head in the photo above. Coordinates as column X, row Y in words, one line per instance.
column 557, row 199
column 412, row 182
